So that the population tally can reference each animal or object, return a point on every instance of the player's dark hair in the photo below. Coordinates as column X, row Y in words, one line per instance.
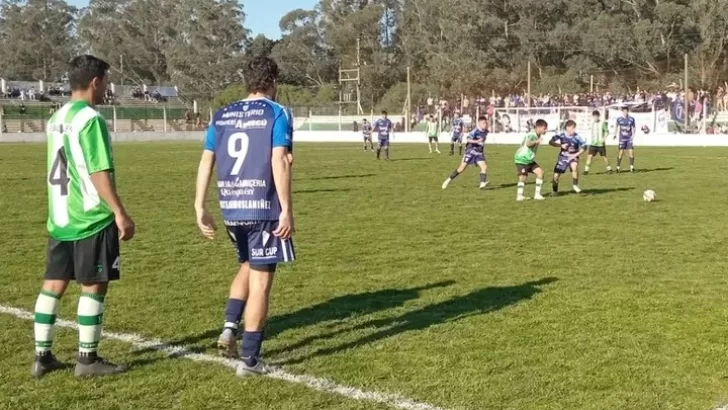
column 482, row 118
column 625, row 108
column 83, row 69
column 261, row 74
column 595, row 112
column 541, row 123
column 570, row 123
column 384, row 112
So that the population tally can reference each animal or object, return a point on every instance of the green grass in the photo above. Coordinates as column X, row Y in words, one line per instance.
column 461, row 298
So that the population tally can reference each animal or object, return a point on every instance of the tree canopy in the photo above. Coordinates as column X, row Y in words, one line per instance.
column 451, row 46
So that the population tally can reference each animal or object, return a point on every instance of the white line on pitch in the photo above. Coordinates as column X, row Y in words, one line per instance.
column 393, row 400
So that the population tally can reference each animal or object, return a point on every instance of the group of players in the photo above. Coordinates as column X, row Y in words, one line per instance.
column 571, row 146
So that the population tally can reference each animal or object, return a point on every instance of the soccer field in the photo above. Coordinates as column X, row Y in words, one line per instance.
column 405, row 295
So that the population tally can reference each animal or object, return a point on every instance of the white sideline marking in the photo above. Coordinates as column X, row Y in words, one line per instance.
column 392, row 400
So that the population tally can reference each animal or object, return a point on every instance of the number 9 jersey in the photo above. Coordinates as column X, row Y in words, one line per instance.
column 242, row 136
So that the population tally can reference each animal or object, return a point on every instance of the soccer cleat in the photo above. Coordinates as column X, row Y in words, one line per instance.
column 45, row 365
column 576, row 189
column 438, row 151
column 586, row 172
column 446, row 183
column 260, row 369
column 484, row 184
column 227, row 344
column 538, row 197
column 99, row 367
column 521, row 198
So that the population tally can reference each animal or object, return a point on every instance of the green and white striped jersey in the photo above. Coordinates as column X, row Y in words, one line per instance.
column 78, row 146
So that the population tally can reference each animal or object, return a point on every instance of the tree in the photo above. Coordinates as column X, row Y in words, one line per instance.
column 36, row 39
column 303, row 54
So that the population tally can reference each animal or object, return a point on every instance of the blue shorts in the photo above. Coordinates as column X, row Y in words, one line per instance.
column 367, row 138
column 563, row 165
column 626, row 144
column 383, row 142
column 255, row 243
column 472, row 157
column 457, row 138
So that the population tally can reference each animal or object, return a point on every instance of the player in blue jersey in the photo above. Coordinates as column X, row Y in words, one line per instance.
column 366, row 130
column 249, row 143
column 572, row 147
column 474, row 153
column 458, row 127
column 384, row 129
column 626, row 129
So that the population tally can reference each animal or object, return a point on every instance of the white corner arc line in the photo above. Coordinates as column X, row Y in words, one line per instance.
column 315, row 383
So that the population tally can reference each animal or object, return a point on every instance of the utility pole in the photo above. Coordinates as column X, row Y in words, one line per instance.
column 408, row 112
column 121, row 68
column 528, row 90
column 686, row 108
column 351, row 75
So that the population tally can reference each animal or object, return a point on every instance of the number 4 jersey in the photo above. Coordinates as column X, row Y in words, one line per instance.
column 242, row 136
column 78, row 146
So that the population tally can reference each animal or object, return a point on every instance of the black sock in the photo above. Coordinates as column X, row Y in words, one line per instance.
column 87, row 358
column 452, row 148
column 619, row 162
column 454, row 174
column 555, row 186
column 576, row 181
column 631, row 161
column 378, row 152
column 483, row 178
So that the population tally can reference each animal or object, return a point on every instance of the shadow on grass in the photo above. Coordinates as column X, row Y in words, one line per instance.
column 320, row 190
column 486, row 300
column 644, row 171
column 339, row 308
column 597, row 191
column 411, row 159
column 335, row 177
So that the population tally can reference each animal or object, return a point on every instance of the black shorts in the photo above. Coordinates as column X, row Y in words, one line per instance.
column 593, row 151
column 432, row 139
column 91, row 260
column 525, row 169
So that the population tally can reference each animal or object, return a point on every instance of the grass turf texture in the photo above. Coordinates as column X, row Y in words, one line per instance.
column 461, row 298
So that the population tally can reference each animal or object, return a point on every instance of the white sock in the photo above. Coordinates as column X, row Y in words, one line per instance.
column 46, row 310
column 90, row 317
column 521, row 187
column 539, row 184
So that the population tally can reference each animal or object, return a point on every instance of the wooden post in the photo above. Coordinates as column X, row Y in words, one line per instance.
column 528, row 90
column 686, row 110
column 408, row 113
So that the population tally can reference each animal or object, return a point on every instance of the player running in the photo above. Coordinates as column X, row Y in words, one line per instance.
column 474, row 154
column 366, row 130
column 626, row 129
column 86, row 219
column 597, row 145
column 458, row 126
column 250, row 141
column 433, row 132
column 384, row 130
column 572, row 147
column 525, row 160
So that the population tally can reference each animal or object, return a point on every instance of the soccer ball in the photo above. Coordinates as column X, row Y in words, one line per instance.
column 645, row 129
column 649, row 195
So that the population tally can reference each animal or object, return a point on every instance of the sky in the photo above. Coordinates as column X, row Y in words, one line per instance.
column 262, row 15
